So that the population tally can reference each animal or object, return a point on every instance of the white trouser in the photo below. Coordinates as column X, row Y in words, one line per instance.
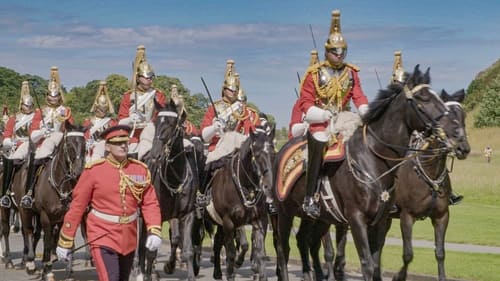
column 21, row 152
column 145, row 141
column 48, row 145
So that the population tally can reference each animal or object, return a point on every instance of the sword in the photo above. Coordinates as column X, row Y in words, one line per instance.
column 210, row 98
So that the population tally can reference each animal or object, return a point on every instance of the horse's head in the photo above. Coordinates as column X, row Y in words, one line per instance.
column 259, row 147
column 455, row 123
column 73, row 148
column 168, row 129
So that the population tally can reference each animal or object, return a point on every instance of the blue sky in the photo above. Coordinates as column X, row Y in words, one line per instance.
column 269, row 40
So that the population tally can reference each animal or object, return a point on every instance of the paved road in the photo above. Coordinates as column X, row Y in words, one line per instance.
column 87, row 273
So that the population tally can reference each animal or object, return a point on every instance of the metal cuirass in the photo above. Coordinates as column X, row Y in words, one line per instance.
column 145, row 103
column 54, row 117
column 334, row 84
column 230, row 113
column 23, row 123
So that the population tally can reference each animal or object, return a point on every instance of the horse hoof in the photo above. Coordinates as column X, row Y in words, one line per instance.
column 50, row 277
column 238, row 264
column 169, row 268
column 308, row 276
column 30, row 268
column 139, row 277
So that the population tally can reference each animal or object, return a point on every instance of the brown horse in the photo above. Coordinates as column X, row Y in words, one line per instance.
column 362, row 184
column 237, row 191
column 56, row 179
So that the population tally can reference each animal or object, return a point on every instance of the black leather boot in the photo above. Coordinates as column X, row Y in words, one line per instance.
column 455, row 198
column 27, row 200
column 314, row 163
column 8, row 172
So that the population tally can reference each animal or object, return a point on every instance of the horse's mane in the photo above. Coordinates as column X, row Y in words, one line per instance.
column 385, row 96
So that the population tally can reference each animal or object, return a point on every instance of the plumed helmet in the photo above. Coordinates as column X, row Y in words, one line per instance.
column 54, row 87
column 314, row 58
column 231, row 80
column 26, row 98
column 335, row 39
column 398, row 72
column 141, row 66
column 102, row 100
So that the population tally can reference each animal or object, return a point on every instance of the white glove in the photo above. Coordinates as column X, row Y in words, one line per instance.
column 153, row 242
column 219, row 125
column 136, row 117
column 62, row 253
column 7, row 143
column 362, row 109
column 317, row 115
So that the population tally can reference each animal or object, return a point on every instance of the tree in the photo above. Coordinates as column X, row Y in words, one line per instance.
column 489, row 109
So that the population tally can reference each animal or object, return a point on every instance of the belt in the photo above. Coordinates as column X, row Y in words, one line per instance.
column 115, row 219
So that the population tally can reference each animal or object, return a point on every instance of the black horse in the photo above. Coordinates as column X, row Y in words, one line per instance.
column 362, row 184
column 53, row 189
column 237, row 192
column 173, row 175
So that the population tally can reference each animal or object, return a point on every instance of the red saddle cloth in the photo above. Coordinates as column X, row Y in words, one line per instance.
column 293, row 162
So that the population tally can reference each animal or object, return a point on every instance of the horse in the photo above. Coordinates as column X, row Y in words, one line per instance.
column 56, row 179
column 173, row 175
column 362, row 183
column 237, row 192
column 422, row 190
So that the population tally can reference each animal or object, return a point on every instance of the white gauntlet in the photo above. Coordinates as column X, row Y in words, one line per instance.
column 317, row 115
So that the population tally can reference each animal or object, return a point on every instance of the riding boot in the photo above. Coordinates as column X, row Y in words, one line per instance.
column 27, row 200
column 455, row 198
column 314, row 163
column 8, row 169
column 201, row 198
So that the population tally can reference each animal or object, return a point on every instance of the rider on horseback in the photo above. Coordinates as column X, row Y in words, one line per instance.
column 102, row 107
column 15, row 140
column 226, row 124
column 326, row 90
column 137, row 108
column 46, row 131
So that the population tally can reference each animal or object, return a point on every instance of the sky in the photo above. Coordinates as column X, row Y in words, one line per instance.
column 269, row 40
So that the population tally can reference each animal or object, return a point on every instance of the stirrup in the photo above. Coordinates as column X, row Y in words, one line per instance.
column 271, row 208
column 201, row 200
column 5, row 202
column 26, row 202
column 311, row 208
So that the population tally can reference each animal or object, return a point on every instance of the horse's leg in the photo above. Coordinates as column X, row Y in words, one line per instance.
column 169, row 267
column 318, row 232
column 218, row 241
column 243, row 246
column 360, row 237
column 329, row 254
column 377, row 242
column 187, row 243
column 440, row 225
column 48, row 245
column 259, row 228
column 15, row 221
column 406, row 222
column 341, row 241
column 197, row 234
column 303, row 246
column 5, row 219
column 284, row 223
column 29, row 241
column 228, row 228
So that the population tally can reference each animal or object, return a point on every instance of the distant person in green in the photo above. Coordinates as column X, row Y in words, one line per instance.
column 488, row 151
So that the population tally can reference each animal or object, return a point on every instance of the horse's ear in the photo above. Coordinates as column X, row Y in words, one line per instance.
column 459, row 96
column 68, row 126
column 427, row 76
column 158, row 106
column 444, row 95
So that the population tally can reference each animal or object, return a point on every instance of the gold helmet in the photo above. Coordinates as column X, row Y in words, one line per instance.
column 231, row 79
column 398, row 72
column 55, row 95
column 336, row 42
column 141, row 66
column 102, row 100
column 314, row 57
column 26, row 98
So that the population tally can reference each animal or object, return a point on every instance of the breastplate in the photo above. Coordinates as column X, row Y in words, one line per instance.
column 334, row 84
column 54, row 117
column 147, row 108
column 230, row 114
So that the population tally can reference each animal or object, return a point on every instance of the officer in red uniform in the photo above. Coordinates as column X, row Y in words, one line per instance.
column 114, row 187
column 327, row 89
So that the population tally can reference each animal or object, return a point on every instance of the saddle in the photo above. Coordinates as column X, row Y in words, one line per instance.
column 293, row 162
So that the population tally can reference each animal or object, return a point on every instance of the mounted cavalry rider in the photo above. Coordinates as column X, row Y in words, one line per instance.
column 103, row 109
column 137, row 108
column 16, row 140
column 399, row 76
column 226, row 124
column 46, row 131
column 326, row 90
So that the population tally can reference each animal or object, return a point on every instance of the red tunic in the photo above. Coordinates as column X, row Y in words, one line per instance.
column 248, row 121
column 126, row 103
column 190, row 130
column 99, row 187
column 308, row 97
column 37, row 119
column 297, row 117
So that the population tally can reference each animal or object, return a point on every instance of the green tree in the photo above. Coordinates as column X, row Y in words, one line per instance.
column 489, row 109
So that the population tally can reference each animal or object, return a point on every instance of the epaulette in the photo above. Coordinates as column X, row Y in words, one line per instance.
column 138, row 162
column 353, row 67
column 95, row 162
